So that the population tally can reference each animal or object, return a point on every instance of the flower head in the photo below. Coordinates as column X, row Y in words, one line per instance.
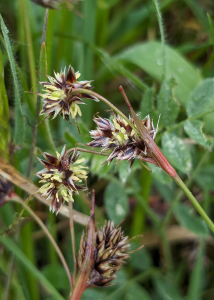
column 58, row 97
column 110, row 255
column 117, row 135
column 61, row 177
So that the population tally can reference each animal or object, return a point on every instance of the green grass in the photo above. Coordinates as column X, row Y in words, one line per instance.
column 165, row 66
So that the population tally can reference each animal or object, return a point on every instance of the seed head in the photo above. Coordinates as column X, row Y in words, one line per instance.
column 58, row 98
column 119, row 137
column 110, row 255
column 6, row 189
column 61, row 177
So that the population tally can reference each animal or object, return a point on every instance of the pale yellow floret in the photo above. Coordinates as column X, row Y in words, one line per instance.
column 51, row 105
column 75, row 178
column 57, row 197
column 79, row 161
column 57, row 154
column 77, row 75
column 51, row 87
column 73, row 110
column 56, row 177
column 123, row 130
column 116, row 125
column 47, row 176
column 79, row 110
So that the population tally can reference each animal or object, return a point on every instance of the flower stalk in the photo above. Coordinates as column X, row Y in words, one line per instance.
column 88, row 263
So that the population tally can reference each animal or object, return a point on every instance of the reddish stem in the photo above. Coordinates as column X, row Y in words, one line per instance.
column 88, row 263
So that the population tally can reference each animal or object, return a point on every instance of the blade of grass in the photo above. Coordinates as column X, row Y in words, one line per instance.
column 19, row 120
column 12, row 247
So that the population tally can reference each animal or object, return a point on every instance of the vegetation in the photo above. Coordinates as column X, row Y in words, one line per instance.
column 162, row 55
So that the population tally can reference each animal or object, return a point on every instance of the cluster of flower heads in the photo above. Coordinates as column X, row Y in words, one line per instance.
column 61, row 177
column 110, row 255
column 119, row 137
column 58, row 97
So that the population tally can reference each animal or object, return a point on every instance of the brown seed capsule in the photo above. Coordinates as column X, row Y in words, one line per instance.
column 110, row 255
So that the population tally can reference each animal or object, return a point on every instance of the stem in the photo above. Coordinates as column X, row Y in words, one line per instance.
column 161, row 27
column 38, row 101
column 73, row 239
column 119, row 112
column 180, row 194
column 195, row 203
column 89, row 260
column 41, row 224
column 86, row 150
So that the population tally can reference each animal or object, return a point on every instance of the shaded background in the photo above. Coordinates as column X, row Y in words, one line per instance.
column 117, row 42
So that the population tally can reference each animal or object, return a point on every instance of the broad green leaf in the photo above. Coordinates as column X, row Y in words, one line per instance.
column 57, row 276
column 19, row 120
column 148, row 56
column 116, row 202
column 159, row 174
column 194, row 130
column 166, row 289
column 185, row 216
column 147, row 107
column 13, row 248
column 106, row 4
column 167, row 105
column 197, row 277
column 205, row 177
column 124, row 171
column 201, row 100
column 176, row 152
column 143, row 256
column 99, row 167
column 135, row 291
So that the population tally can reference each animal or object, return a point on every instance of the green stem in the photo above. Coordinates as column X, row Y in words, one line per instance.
column 119, row 112
column 73, row 239
column 41, row 224
column 161, row 27
column 194, row 202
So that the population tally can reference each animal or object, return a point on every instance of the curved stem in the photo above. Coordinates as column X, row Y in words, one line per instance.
column 101, row 98
column 86, row 150
column 194, row 202
column 73, row 239
column 41, row 224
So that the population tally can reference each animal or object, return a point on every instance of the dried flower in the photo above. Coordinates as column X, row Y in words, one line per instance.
column 119, row 136
column 110, row 255
column 58, row 98
column 6, row 188
column 62, row 175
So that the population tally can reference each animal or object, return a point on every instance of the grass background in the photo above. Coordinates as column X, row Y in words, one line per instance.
column 115, row 42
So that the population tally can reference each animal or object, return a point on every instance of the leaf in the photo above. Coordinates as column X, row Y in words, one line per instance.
column 19, row 120
column 148, row 56
column 184, row 215
column 147, row 107
column 166, row 289
column 124, row 172
column 194, row 131
column 201, row 100
column 56, row 274
column 98, row 167
column 205, row 177
column 135, row 291
column 143, row 256
column 159, row 174
column 116, row 202
column 167, row 105
column 13, row 248
column 176, row 152
column 197, row 278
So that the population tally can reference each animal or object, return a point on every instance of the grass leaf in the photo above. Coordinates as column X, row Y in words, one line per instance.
column 19, row 120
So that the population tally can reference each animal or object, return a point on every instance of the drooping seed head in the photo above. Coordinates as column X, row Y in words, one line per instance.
column 119, row 137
